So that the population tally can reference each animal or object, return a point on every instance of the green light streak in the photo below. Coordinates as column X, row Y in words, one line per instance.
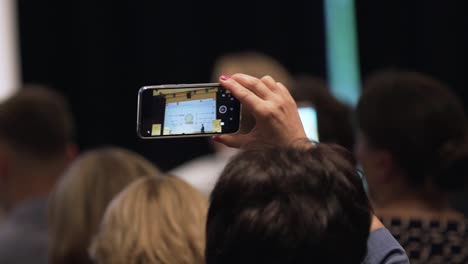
column 342, row 52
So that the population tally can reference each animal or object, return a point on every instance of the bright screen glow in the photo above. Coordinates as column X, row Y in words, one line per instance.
column 342, row 52
column 308, row 117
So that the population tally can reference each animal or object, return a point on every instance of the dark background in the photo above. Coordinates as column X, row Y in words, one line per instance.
column 99, row 52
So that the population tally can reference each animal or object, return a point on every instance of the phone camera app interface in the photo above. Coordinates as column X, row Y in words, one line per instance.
column 184, row 111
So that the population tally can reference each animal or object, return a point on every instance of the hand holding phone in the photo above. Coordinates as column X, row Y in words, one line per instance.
column 186, row 110
column 275, row 112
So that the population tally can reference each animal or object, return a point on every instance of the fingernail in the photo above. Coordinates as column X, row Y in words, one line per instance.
column 215, row 138
column 225, row 77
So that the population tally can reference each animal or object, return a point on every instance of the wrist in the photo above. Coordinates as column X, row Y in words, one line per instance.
column 302, row 142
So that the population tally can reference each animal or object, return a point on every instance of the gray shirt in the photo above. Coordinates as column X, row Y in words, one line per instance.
column 382, row 248
column 23, row 234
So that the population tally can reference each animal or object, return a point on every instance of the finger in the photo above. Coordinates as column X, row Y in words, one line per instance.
column 270, row 83
column 255, row 85
column 244, row 95
column 283, row 90
column 232, row 141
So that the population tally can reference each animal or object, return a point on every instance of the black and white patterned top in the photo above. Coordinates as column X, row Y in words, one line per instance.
column 431, row 241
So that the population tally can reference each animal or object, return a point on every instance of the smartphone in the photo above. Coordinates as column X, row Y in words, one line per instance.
column 186, row 110
column 308, row 115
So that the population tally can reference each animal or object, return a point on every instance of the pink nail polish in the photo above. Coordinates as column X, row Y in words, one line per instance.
column 225, row 77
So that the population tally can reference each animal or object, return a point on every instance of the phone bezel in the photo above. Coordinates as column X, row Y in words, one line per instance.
column 178, row 86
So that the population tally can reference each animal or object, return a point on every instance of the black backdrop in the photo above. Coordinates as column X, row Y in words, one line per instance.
column 98, row 53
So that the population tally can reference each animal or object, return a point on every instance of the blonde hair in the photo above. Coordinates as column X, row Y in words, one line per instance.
column 154, row 220
column 79, row 200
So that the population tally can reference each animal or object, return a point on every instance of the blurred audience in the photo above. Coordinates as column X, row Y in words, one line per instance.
column 154, row 220
column 36, row 131
column 82, row 195
column 413, row 147
column 334, row 118
column 203, row 172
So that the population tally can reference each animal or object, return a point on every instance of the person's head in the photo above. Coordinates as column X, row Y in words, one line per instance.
column 334, row 117
column 412, row 134
column 287, row 205
column 154, row 220
column 252, row 63
column 79, row 200
column 36, row 131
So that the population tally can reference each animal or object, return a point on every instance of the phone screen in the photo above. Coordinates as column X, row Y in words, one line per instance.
column 184, row 111
column 308, row 116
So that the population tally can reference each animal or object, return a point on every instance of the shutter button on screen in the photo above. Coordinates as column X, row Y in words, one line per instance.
column 223, row 109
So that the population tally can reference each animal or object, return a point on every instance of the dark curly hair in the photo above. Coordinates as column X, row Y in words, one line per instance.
column 289, row 205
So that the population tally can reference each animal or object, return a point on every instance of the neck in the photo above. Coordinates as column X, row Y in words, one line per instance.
column 33, row 181
column 414, row 203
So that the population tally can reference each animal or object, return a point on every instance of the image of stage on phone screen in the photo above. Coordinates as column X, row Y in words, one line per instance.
column 189, row 111
column 191, row 114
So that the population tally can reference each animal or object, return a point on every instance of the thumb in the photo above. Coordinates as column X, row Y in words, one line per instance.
column 232, row 141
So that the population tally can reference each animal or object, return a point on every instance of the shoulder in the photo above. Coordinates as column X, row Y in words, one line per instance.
column 382, row 247
column 195, row 166
column 25, row 230
column 202, row 173
column 14, row 242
